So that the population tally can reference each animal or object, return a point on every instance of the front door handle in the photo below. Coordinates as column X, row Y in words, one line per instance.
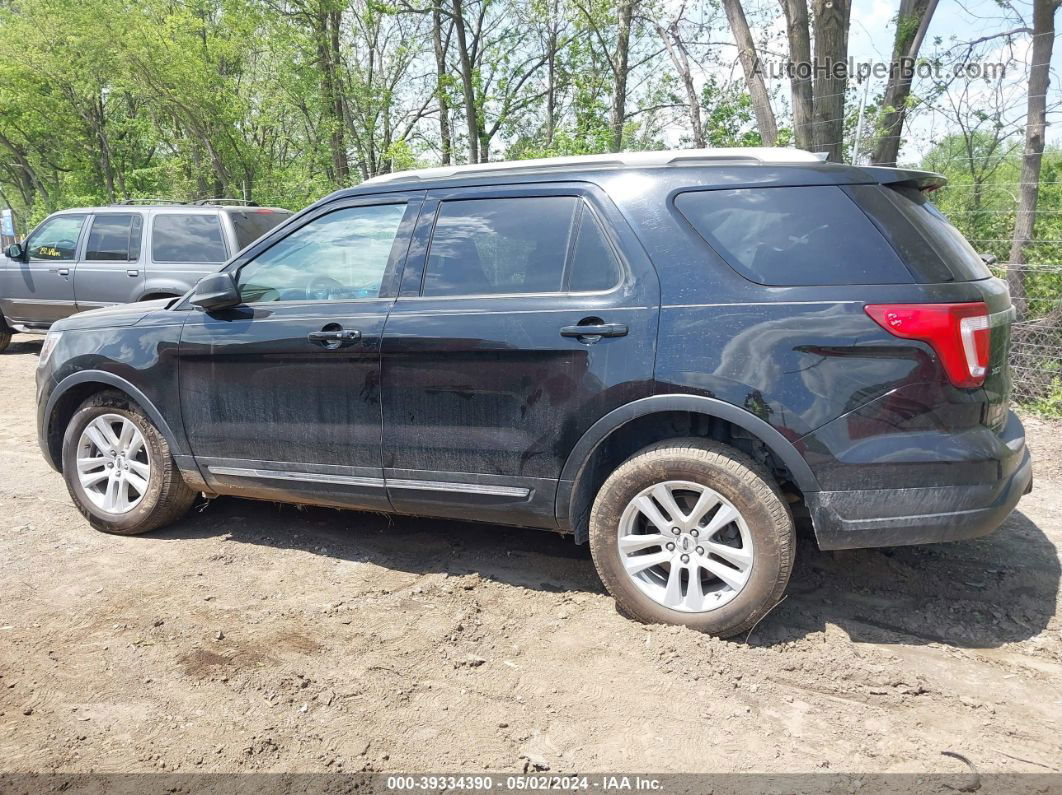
column 334, row 338
column 132, row 272
column 64, row 271
column 595, row 330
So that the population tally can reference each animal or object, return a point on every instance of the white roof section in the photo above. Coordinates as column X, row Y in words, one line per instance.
column 671, row 157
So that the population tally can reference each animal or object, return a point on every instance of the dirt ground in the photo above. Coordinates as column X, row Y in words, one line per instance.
column 257, row 637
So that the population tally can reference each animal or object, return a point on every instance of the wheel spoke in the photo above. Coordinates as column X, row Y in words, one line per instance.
column 666, row 499
column 673, row 592
column 734, row 579
column 742, row 558
column 637, row 563
column 135, row 446
column 95, row 435
column 652, row 513
column 633, row 543
column 708, row 500
column 110, row 497
column 694, row 594
column 139, row 468
column 724, row 516
column 108, row 433
column 92, row 478
column 126, row 435
column 138, row 484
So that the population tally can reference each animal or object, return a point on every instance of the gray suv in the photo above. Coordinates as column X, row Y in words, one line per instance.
column 86, row 258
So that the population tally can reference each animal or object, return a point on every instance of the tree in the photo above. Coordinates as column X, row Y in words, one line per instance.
column 1035, row 125
column 912, row 21
column 761, row 100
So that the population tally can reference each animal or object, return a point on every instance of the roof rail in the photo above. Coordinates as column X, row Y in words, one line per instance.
column 220, row 200
column 673, row 157
column 131, row 202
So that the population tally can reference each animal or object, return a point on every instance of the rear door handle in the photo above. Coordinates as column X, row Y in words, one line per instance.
column 64, row 271
column 332, row 339
column 595, row 330
column 132, row 272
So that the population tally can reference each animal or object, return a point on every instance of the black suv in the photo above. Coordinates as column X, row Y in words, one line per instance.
column 670, row 355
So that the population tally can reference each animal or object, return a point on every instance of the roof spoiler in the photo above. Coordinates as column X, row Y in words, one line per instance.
column 925, row 181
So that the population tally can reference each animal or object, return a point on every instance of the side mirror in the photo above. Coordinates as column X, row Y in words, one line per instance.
column 15, row 252
column 216, row 291
column 989, row 259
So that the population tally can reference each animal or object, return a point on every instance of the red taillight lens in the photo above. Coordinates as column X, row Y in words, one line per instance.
column 959, row 333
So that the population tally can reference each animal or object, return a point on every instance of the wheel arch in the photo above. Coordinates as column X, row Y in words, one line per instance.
column 74, row 390
column 582, row 469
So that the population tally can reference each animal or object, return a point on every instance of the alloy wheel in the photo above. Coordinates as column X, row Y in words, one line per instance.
column 685, row 546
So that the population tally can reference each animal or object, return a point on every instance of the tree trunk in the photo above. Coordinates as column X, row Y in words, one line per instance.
column 326, row 32
column 1035, row 126
column 761, row 100
column 620, row 69
column 911, row 25
column 440, row 83
column 468, row 89
column 672, row 39
column 551, row 81
column 799, row 35
column 831, row 50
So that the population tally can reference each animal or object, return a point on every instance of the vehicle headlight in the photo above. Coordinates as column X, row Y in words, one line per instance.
column 48, row 346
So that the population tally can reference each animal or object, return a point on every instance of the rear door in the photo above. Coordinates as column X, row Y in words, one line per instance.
column 40, row 290
column 109, row 270
column 526, row 314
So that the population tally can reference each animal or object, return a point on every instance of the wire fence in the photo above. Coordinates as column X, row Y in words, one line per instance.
column 1036, row 337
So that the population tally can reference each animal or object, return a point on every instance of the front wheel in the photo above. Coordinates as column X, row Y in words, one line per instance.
column 119, row 470
column 693, row 532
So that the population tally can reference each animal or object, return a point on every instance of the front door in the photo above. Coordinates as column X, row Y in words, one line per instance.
column 526, row 314
column 109, row 272
column 40, row 290
column 281, row 395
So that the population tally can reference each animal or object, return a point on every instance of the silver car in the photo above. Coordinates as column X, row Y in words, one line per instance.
column 87, row 258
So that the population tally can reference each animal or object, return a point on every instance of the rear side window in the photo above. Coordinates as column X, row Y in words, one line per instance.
column 499, row 246
column 178, row 237
column 252, row 224
column 594, row 265
column 115, row 238
column 793, row 236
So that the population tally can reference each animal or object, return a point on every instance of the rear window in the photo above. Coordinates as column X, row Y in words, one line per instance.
column 252, row 224
column 791, row 236
column 176, row 237
column 955, row 252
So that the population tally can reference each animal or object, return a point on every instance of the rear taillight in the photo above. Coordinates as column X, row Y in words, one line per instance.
column 959, row 333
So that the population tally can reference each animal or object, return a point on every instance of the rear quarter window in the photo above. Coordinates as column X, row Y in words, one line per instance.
column 788, row 236
column 177, row 237
column 252, row 224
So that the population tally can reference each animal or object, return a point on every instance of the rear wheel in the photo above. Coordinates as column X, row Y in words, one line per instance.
column 693, row 532
column 5, row 340
column 119, row 470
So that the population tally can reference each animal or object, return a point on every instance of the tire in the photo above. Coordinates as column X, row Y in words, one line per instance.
column 5, row 339
column 165, row 497
column 757, row 544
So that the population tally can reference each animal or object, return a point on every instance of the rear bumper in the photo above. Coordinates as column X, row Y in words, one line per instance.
column 895, row 517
